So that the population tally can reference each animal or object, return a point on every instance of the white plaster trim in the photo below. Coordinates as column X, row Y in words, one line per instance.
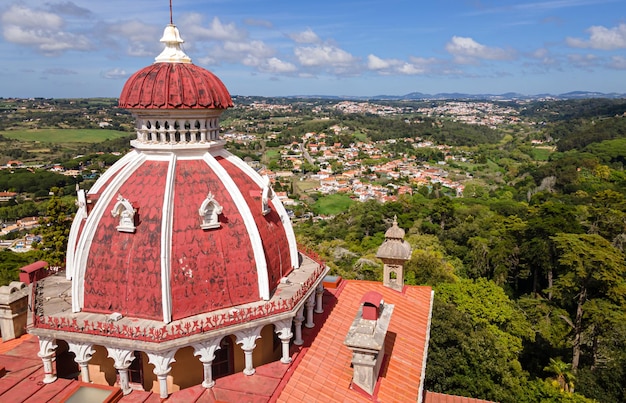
column 91, row 225
column 420, row 392
column 167, row 218
column 121, row 163
column 81, row 215
column 278, row 205
column 248, row 220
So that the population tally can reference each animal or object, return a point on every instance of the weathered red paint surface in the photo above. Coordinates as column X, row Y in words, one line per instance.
column 270, row 227
column 123, row 272
column 174, row 86
column 215, row 268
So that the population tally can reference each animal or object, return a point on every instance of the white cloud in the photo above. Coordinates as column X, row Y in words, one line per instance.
column 256, row 48
column 618, row 62
column 275, row 65
column 583, row 61
column 115, row 73
column 216, row 30
column 324, row 55
column 467, row 51
column 41, row 30
column 543, row 56
column 415, row 65
column 602, row 38
column 141, row 39
column 376, row 63
column 307, row 36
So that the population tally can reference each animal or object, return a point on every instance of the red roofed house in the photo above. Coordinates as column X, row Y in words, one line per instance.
column 184, row 282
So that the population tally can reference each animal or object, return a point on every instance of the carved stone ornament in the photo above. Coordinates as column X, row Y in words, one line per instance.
column 266, row 196
column 209, row 212
column 126, row 213
column 81, row 203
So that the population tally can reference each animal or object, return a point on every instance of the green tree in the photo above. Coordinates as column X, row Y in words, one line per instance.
column 563, row 375
column 54, row 230
column 593, row 284
column 476, row 338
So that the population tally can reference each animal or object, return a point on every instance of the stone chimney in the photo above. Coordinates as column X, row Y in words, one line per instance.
column 394, row 252
column 13, row 310
column 366, row 339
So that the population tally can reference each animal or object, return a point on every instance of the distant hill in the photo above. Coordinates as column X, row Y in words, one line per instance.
column 508, row 96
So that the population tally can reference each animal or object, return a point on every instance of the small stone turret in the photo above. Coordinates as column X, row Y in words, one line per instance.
column 394, row 252
column 13, row 310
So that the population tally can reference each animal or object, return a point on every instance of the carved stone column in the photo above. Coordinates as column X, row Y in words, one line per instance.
column 310, row 304
column 47, row 345
column 247, row 339
column 319, row 292
column 206, row 352
column 82, row 353
column 122, row 360
column 283, row 328
column 298, row 326
column 162, row 366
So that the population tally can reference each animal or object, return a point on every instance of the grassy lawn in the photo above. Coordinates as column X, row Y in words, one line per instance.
column 332, row 204
column 360, row 136
column 303, row 186
column 64, row 135
column 272, row 154
column 542, row 153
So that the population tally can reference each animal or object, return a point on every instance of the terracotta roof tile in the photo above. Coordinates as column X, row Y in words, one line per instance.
column 325, row 374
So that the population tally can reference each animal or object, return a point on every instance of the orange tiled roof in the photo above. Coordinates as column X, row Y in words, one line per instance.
column 324, row 374
column 11, row 344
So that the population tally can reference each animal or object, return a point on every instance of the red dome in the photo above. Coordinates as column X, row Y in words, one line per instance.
column 174, row 86
column 167, row 250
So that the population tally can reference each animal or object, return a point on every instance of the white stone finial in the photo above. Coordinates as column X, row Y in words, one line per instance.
column 172, row 52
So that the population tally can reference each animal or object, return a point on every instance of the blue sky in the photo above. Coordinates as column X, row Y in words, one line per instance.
column 87, row 48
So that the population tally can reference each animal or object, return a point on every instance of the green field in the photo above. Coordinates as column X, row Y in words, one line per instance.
column 542, row 153
column 63, row 135
column 333, row 204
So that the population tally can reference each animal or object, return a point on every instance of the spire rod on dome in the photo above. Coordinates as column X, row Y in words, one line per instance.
column 171, row 15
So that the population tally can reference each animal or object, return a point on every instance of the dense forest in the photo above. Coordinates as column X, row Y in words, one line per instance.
column 529, row 273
